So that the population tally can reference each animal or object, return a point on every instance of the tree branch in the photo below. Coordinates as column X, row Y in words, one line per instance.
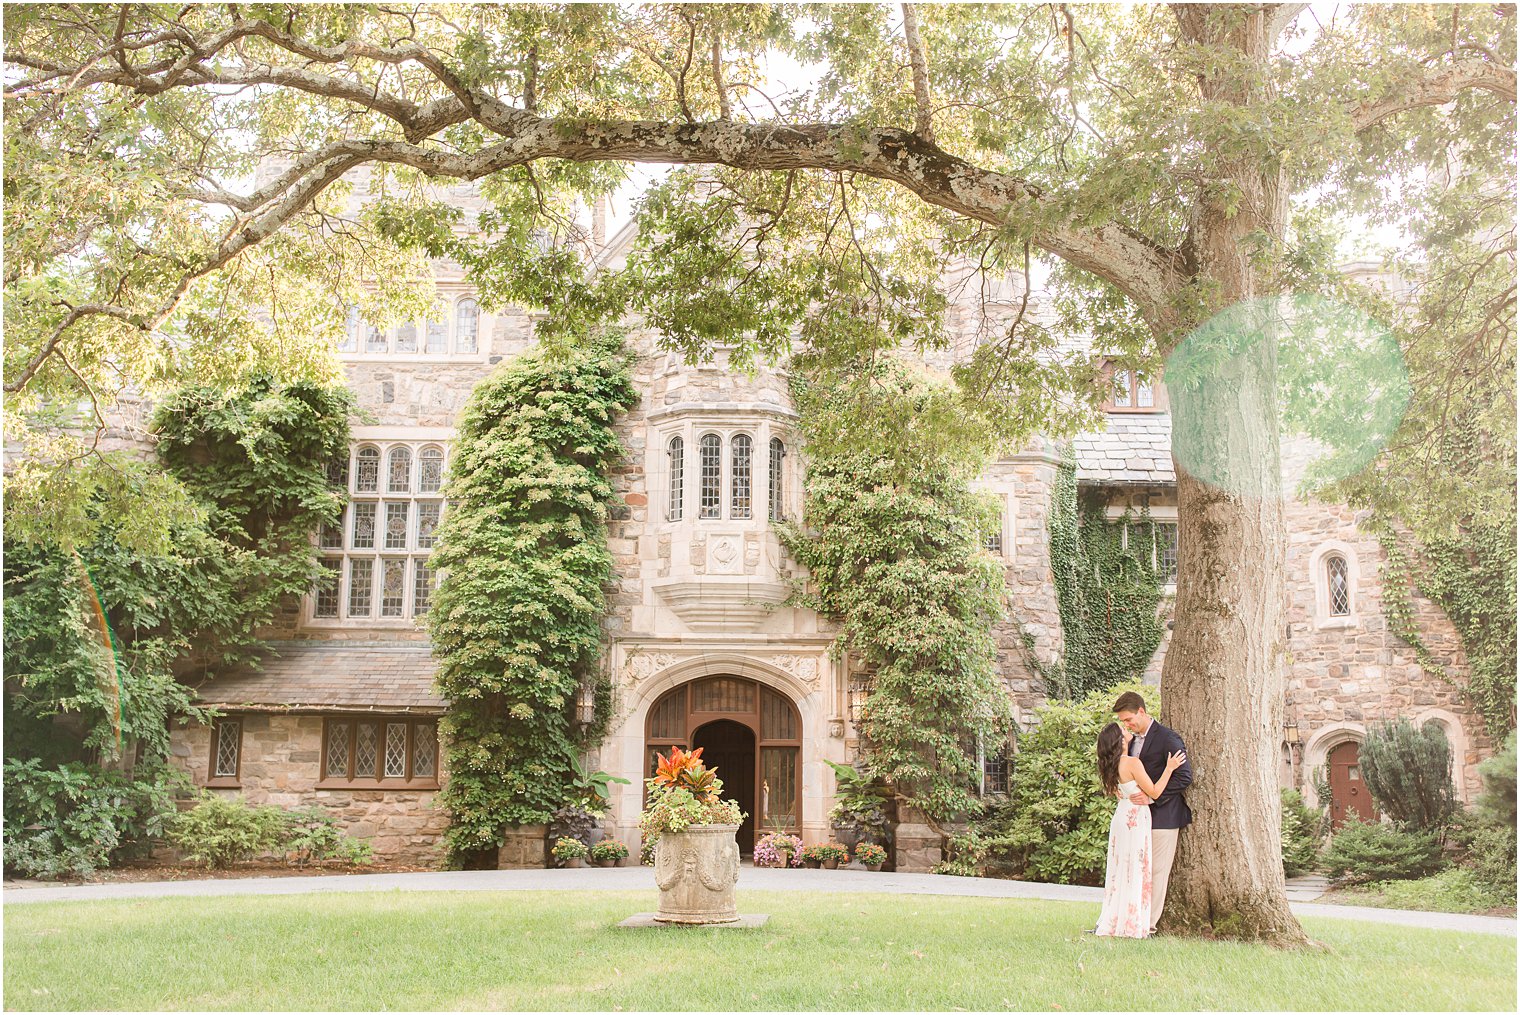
column 1436, row 87
column 922, row 125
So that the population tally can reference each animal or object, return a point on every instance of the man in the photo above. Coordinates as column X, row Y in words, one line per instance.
column 1169, row 812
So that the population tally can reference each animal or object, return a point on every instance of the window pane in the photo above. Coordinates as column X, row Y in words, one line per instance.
column 437, row 334
column 406, row 337
column 739, row 507
column 393, row 590
column 424, row 750
column 1166, row 551
column 777, row 720
column 375, row 340
column 367, row 474
column 361, row 579
column 778, row 787
column 1144, row 396
column 400, row 475
column 723, row 694
column 1340, row 587
column 352, row 326
column 422, row 590
column 327, row 587
column 331, row 535
column 229, row 734
column 427, row 522
column 668, row 721
column 337, row 472
column 363, row 536
column 396, row 513
column 712, row 476
column 467, row 325
column 395, row 750
column 778, row 454
column 430, row 470
column 1121, row 389
column 337, row 749
column 677, row 454
column 366, row 750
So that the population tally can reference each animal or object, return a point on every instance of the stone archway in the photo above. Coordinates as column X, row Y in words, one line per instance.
column 1327, row 741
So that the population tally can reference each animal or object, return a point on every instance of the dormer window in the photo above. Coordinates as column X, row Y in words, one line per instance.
column 1131, row 391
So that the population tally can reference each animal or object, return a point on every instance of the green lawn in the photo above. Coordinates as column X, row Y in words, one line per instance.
column 520, row 950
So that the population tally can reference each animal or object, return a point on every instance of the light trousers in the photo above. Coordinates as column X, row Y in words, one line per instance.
column 1163, row 851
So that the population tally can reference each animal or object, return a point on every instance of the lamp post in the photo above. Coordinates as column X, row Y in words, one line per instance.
column 1290, row 737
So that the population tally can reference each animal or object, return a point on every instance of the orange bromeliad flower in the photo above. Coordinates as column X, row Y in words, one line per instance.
column 685, row 769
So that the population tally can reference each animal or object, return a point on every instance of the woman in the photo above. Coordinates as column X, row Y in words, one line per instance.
column 1127, row 885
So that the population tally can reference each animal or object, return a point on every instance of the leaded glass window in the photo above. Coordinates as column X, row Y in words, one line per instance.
column 739, row 497
column 395, row 750
column 229, row 744
column 1339, row 577
column 337, row 749
column 436, row 334
column 400, row 480
column 366, row 750
column 1166, row 551
column 677, row 452
column 430, row 470
column 1145, row 395
column 327, row 587
column 1122, row 394
column 367, row 475
column 466, row 326
column 406, row 338
column 382, row 542
column 337, row 472
column 778, row 490
column 711, row 463
column 361, row 580
column 376, row 340
column 352, row 326
column 424, row 751
column 393, row 588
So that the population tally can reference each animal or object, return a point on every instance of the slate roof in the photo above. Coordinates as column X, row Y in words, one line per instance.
column 332, row 676
column 1135, row 450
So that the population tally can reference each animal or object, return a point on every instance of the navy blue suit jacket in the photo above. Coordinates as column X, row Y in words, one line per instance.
column 1170, row 809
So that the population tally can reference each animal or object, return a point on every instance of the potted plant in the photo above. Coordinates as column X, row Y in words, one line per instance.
column 570, row 852
column 871, row 855
column 832, row 854
column 696, row 858
column 812, row 856
column 608, row 852
column 778, row 849
column 862, row 808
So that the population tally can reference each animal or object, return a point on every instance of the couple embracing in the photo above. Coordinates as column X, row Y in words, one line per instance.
column 1144, row 766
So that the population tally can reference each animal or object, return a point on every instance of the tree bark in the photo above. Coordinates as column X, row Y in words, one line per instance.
column 1222, row 684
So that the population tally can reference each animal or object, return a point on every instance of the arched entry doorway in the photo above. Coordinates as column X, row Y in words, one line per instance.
column 1348, row 793
column 750, row 732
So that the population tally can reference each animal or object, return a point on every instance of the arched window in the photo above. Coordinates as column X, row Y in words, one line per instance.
column 1338, row 585
column 712, row 477
column 367, row 472
column 778, row 491
column 466, row 326
column 677, row 452
column 400, row 473
column 430, row 470
column 739, row 497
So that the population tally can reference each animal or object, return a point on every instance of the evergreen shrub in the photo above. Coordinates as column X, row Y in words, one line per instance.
column 314, row 837
column 1301, row 837
column 1364, row 852
column 1408, row 772
column 220, row 832
column 1491, row 852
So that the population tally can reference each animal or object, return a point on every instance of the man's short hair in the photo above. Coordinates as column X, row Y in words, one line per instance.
column 1129, row 701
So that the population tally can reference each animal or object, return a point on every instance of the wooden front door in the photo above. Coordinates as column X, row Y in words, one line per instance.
column 1348, row 793
column 729, row 747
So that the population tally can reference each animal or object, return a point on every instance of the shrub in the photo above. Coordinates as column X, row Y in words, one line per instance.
column 1491, row 851
column 1497, row 801
column 1300, row 834
column 608, row 849
column 870, row 854
column 1408, row 772
column 315, row 836
column 74, row 818
column 220, row 832
column 958, row 868
column 1457, row 890
column 566, row 848
column 1053, row 826
column 1361, row 852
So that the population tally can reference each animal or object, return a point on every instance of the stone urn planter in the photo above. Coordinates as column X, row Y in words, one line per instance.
column 695, row 871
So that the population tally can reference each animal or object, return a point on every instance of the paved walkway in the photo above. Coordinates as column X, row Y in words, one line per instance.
column 639, row 879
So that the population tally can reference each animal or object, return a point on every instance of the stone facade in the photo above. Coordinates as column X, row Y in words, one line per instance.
column 281, row 765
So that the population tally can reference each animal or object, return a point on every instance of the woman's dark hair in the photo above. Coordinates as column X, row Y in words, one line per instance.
column 1110, row 750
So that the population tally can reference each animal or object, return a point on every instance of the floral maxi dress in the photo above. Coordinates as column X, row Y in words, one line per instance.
column 1127, row 885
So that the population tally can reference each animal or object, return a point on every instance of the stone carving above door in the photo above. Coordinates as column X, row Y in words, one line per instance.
column 804, row 668
column 640, row 666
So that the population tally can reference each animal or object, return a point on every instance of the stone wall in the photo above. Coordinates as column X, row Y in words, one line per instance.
column 281, row 764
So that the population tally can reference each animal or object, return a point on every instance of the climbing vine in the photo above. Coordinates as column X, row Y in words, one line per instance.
column 892, row 536
column 1108, row 592
column 516, row 622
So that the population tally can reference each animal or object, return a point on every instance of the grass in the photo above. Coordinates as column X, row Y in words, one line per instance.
column 540, row 950
column 1452, row 891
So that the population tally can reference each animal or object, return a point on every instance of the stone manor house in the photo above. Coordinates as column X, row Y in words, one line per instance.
column 343, row 713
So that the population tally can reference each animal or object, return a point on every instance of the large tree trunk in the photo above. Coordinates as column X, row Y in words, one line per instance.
column 1223, row 681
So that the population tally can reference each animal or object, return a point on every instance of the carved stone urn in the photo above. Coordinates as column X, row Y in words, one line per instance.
column 695, row 871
